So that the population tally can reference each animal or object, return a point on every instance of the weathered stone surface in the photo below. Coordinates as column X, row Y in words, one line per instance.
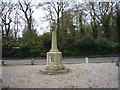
column 54, row 64
column 54, row 57
column 52, row 72
column 53, row 28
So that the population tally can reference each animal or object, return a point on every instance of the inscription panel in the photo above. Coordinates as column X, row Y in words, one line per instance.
column 51, row 59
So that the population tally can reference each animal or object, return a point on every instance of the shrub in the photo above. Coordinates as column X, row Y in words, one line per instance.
column 87, row 46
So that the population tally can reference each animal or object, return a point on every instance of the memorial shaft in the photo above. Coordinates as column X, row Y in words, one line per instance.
column 54, row 42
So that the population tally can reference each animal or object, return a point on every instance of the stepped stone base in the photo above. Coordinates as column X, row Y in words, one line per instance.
column 54, row 69
column 52, row 72
column 54, row 64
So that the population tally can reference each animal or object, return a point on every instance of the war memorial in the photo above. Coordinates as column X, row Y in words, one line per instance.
column 54, row 56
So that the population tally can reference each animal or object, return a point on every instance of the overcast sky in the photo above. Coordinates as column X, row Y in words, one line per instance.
column 39, row 13
column 41, row 25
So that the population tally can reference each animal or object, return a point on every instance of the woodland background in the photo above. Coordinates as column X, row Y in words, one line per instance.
column 84, row 29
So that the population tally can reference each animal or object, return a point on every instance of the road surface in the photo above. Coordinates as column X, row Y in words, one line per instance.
column 64, row 61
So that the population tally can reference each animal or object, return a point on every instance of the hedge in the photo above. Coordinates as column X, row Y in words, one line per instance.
column 85, row 46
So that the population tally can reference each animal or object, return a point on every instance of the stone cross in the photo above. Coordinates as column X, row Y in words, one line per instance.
column 54, row 56
column 53, row 27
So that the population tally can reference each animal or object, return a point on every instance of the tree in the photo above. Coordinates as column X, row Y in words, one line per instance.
column 92, row 10
column 55, row 10
column 105, row 10
column 118, row 19
column 79, row 16
column 67, row 29
column 16, row 22
column 6, row 9
column 26, row 8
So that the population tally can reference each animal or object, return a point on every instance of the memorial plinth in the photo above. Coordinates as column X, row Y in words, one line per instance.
column 54, row 56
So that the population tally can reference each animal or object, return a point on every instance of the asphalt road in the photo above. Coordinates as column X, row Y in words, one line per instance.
column 64, row 61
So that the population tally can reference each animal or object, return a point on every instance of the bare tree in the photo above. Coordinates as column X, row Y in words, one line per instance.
column 16, row 22
column 6, row 19
column 92, row 9
column 117, row 6
column 26, row 8
column 55, row 9
column 105, row 11
column 79, row 14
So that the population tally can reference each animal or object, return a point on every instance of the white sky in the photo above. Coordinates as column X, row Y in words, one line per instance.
column 41, row 25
